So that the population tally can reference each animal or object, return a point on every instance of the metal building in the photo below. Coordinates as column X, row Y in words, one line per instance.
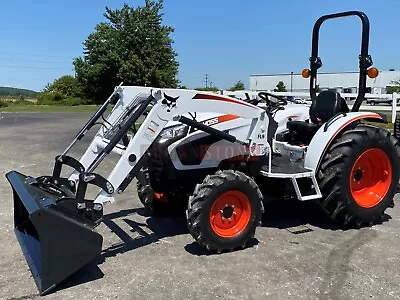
column 344, row 82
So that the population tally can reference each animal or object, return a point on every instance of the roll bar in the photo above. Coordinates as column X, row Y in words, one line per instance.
column 364, row 58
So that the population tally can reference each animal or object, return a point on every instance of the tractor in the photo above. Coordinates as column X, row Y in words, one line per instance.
column 220, row 167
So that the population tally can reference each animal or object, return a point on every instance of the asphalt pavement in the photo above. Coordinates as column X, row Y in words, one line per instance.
column 297, row 254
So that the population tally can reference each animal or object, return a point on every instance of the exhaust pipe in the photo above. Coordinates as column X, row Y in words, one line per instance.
column 55, row 234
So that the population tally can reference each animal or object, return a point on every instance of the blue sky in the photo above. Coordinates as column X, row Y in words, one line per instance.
column 227, row 39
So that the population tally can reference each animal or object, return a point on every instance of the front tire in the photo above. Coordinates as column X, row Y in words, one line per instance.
column 224, row 211
column 144, row 190
column 358, row 176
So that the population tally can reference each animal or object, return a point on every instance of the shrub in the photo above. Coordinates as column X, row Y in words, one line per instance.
column 75, row 101
column 45, row 99
column 55, row 98
column 3, row 104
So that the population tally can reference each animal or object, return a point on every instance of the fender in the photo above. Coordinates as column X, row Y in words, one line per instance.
column 328, row 132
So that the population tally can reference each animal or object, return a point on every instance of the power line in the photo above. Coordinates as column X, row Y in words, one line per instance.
column 63, row 26
column 32, row 67
column 35, row 54
column 36, row 61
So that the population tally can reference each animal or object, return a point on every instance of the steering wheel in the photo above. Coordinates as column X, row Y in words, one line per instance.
column 253, row 101
column 266, row 97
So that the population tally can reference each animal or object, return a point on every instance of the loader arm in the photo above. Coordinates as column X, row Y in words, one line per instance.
column 169, row 105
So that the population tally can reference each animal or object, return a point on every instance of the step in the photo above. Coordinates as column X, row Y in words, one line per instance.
column 283, row 167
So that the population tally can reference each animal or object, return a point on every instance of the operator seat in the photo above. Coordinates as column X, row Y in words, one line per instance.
column 326, row 105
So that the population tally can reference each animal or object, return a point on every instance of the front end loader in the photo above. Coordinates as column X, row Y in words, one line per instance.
column 53, row 219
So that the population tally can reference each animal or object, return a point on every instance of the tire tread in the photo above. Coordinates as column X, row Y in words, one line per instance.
column 201, row 195
column 331, row 172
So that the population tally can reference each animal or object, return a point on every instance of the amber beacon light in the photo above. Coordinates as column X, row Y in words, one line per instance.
column 305, row 73
column 373, row 72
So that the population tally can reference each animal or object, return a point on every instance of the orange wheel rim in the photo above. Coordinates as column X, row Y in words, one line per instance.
column 370, row 178
column 230, row 214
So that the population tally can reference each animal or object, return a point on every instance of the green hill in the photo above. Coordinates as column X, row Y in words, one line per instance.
column 11, row 92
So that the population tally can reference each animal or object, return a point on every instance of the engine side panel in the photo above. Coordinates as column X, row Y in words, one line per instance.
column 180, row 163
column 206, row 151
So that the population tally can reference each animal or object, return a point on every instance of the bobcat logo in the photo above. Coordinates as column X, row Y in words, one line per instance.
column 169, row 101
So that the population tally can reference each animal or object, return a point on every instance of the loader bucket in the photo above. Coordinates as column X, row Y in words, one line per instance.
column 55, row 242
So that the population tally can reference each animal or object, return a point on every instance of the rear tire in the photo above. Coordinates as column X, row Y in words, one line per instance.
column 358, row 176
column 224, row 211
column 396, row 133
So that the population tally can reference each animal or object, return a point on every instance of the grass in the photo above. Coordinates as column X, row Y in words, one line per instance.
column 49, row 108
column 24, row 107
column 15, row 99
column 388, row 125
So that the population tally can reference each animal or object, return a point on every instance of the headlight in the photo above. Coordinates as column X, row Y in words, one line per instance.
column 173, row 132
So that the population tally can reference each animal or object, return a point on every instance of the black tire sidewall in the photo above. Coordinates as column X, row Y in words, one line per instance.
column 255, row 205
column 366, row 144
column 397, row 127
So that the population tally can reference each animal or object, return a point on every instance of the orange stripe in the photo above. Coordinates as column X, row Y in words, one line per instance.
column 219, row 98
column 374, row 116
column 226, row 118
column 151, row 129
column 220, row 119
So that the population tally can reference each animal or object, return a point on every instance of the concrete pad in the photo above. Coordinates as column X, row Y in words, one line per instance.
column 297, row 254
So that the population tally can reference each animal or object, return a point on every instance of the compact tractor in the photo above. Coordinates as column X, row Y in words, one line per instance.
column 223, row 166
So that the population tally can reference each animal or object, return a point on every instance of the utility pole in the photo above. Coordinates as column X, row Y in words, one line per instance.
column 291, row 82
column 206, row 80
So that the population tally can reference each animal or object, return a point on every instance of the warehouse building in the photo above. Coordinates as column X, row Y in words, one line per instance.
column 344, row 82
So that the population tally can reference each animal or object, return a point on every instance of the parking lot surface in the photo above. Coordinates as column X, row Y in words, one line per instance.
column 298, row 253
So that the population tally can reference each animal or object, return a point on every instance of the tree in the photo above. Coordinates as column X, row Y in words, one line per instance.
column 394, row 87
column 239, row 86
column 65, row 86
column 317, row 88
column 132, row 46
column 207, row 89
column 9, row 92
column 280, row 87
column 63, row 91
